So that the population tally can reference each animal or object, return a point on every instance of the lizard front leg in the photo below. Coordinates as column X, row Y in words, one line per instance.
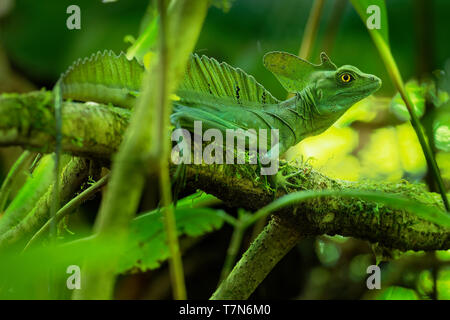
column 280, row 175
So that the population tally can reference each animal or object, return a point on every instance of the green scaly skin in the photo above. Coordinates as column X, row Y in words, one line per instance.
column 223, row 97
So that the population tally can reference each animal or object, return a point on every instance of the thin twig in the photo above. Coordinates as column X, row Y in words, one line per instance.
column 68, row 208
column 175, row 261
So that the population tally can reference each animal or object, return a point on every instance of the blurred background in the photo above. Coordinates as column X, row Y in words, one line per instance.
column 374, row 140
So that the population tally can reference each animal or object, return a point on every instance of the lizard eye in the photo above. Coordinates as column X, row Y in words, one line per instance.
column 346, row 77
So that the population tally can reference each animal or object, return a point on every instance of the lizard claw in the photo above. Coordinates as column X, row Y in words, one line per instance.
column 281, row 180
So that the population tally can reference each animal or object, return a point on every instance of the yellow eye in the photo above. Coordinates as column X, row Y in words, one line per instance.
column 346, row 78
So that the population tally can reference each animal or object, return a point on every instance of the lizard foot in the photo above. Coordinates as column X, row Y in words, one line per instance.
column 283, row 180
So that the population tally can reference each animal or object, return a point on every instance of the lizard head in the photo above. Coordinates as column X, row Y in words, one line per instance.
column 333, row 90
column 339, row 89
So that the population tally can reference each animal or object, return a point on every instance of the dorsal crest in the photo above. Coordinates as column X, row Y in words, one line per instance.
column 208, row 80
column 293, row 72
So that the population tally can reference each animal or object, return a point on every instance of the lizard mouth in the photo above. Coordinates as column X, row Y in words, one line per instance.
column 373, row 85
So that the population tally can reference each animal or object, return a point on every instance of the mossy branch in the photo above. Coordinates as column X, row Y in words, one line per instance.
column 269, row 247
column 101, row 127
column 89, row 130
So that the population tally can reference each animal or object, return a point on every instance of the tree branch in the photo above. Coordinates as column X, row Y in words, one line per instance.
column 100, row 129
column 89, row 130
column 272, row 244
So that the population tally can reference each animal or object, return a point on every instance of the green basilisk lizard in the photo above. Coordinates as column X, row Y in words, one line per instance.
column 224, row 97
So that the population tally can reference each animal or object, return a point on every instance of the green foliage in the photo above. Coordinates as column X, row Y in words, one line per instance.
column 381, row 41
column 443, row 284
column 425, row 283
column 439, row 97
column 443, row 255
column 26, row 275
column 443, row 78
column 417, row 94
column 441, row 129
column 327, row 252
column 146, row 247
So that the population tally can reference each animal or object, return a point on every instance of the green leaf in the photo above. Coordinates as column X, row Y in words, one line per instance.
column 417, row 93
column 443, row 77
column 436, row 94
column 443, row 284
column 425, row 283
column 147, row 248
column 25, row 275
column 398, row 293
column 441, row 129
column 443, row 255
column 327, row 252
column 20, row 281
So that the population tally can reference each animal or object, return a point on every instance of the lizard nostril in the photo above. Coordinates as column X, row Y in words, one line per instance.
column 374, row 79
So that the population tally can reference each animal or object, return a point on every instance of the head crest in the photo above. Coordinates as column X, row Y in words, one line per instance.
column 293, row 72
